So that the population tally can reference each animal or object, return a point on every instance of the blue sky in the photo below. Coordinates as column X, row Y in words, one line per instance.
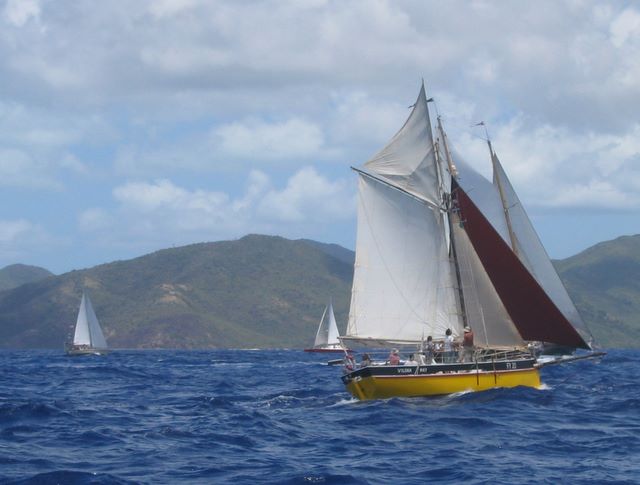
column 127, row 127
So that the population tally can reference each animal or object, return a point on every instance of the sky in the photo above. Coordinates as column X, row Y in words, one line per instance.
column 129, row 127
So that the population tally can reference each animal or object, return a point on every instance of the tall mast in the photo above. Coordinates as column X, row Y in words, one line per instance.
column 452, row 168
column 503, row 199
column 454, row 255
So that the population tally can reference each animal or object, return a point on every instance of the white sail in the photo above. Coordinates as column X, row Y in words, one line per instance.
column 403, row 287
column 82, row 335
column 484, row 196
column 531, row 252
column 332, row 338
column 327, row 334
column 88, row 331
column 408, row 160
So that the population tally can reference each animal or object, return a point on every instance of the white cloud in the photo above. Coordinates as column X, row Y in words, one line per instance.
column 550, row 167
column 19, row 238
column 71, row 162
column 163, row 196
column 19, row 12
column 175, row 90
column 308, row 196
column 94, row 219
column 257, row 140
column 625, row 27
column 360, row 119
column 10, row 231
column 19, row 169
column 167, row 8
column 164, row 211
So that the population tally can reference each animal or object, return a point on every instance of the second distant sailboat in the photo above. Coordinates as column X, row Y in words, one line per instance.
column 327, row 337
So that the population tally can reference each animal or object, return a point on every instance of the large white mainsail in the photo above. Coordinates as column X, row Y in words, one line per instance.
column 88, row 331
column 404, row 286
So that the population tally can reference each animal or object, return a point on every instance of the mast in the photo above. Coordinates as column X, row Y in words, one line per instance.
column 452, row 168
column 448, row 204
column 503, row 198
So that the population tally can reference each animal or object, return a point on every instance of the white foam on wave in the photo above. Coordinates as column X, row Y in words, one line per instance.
column 345, row 402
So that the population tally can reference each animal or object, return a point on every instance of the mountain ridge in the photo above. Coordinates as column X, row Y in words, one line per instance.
column 15, row 275
column 267, row 292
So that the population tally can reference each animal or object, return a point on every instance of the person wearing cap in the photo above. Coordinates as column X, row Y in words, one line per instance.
column 394, row 357
column 467, row 345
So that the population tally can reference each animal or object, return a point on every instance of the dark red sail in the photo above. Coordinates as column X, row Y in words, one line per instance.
column 532, row 311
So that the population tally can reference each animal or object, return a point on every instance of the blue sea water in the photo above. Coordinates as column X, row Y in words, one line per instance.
column 242, row 416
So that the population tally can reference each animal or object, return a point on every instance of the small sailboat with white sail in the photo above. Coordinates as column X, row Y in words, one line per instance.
column 327, row 336
column 441, row 250
column 88, row 338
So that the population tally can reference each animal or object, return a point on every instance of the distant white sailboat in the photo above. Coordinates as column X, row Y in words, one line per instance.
column 88, row 337
column 327, row 337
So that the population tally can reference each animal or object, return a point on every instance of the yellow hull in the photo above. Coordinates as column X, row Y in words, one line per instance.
column 383, row 387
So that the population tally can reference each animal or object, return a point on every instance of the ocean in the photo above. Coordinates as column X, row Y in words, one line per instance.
column 283, row 416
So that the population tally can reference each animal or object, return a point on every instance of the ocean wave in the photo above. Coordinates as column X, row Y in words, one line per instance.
column 239, row 416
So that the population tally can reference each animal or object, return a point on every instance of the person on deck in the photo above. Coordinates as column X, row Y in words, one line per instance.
column 466, row 354
column 429, row 350
column 449, row 353
column 349, row 362
column 366, row 360
column 394, row 357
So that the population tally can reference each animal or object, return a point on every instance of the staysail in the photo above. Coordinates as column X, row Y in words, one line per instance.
column 88, row 331
column 499, row 205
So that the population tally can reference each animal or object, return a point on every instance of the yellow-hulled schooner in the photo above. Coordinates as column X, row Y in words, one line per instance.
column 441, row 247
